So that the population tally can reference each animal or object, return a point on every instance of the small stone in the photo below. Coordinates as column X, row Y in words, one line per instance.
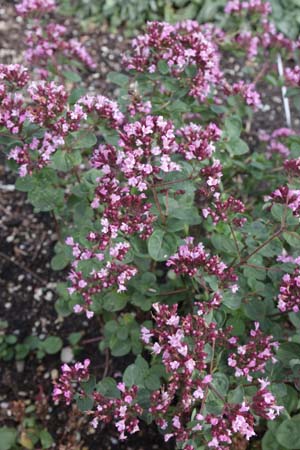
column 54, row 374
column 38, row 294
column 49, row 296
column 66, row 355
column 20, row 366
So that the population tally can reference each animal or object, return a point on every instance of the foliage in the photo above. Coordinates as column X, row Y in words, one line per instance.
column 135, row 13
column 180, row 234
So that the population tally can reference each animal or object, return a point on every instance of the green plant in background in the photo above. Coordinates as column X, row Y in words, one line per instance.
column 133, row 14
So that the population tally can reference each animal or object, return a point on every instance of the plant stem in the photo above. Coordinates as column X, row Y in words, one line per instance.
column 273, row 236
column 156, row 200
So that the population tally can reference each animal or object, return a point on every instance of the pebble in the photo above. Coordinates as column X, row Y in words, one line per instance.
column 20, row 366
column 54, row 374
column 49, row 296
column 38, row 294
column 66, row 355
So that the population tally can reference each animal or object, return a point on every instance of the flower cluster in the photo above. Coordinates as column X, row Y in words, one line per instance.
column 264, row 403
column 248, row 93
column 122, row 411
column 191, row 258
column 234, row 419
column 47, row 43
column 49, row 100
column 103, row 108
column 251, row 6
column 253, row 356
column 263, row 35
column 181, row 342
column 198, row 142
column 288, row 197
column 107, row 272
column 292, row 76
column 47, row 108
column 138, row 106
column 64, row 389
column 12, row 112
column 15, row 74
column 292, row 167
column 27, row 7
column 289, row 292
column 222, row 210
column 180, row 46
column 274, row 141
column 44, row 148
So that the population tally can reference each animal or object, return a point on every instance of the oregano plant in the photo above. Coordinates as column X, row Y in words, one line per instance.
column 180, row 233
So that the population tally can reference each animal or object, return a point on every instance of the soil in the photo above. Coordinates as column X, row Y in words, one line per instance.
column 27, row 283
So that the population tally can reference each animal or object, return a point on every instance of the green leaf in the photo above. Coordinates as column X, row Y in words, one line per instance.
column 76, row 94
column 46, row 439
column 288, row 351
column 52, row 344
column 114, row 301
column 256, row 309
column 269, row 442
column 120, row 348
column 22, row 351
column 163, row 67
column 8, row 438
column 220, row 382
column 236, row 395
column 85, row 403
column 11, row 339
column 288, row 434
column 233, row 127
column 232, row 301
column 292, row 238
column 46, row 198
column 25, row 184
column 89, row 386
column 133, row 376
column 84, row 139
column 277, row 211
column 108, row 388
column 71, row 76
column 237, row 146
column 162, row 245
column 59, row 261
column 75, row 337
column 118, row 78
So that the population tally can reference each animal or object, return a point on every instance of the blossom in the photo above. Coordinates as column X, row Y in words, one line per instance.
column 191, row 258
column 254, row 355
column 288, row 197
column 192, row 48
column 26, row 7
column 289, row 292
column 64, row 387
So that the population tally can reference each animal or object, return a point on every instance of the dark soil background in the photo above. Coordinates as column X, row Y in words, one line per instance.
column 27, row 284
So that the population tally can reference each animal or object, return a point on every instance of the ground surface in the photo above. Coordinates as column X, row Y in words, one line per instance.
column 27, row 284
